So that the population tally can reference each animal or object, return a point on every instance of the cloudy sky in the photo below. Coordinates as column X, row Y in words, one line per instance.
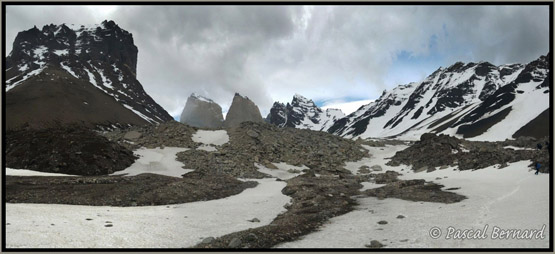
column 331, row 54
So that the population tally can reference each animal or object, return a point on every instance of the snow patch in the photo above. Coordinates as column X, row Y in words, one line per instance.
column 27, row 76
column 148, row 119
column 23, row 67
column 368, row 185
column 27, row 172
column 61, row 52
column 218, row 137
column 68, row 69
column 284, row 171
column 207, row 148
column 518, row 148
column 161, row 161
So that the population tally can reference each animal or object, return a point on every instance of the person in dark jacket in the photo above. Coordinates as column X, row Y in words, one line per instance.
column 538, row 166
column 539, row 146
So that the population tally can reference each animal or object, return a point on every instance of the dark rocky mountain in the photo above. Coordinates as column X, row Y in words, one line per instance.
column 76, row 73
column 474, row 100
column 202, row 112
column 242, row 109
column 302, row 113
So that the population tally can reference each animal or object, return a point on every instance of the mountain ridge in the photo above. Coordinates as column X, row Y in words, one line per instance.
column 302, row 113
column 459, row 95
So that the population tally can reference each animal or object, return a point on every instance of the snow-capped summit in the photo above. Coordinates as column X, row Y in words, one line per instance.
column 85, row 68
column 472, row 100
column 302, row 113
column 301, row 101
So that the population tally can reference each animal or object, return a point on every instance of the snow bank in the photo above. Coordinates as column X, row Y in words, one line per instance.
column 367, row 185
column 207, row 148
column 284, row 171
column 174, row 226
column 27, row 172
column 218, row 137
column 518, row 148
column 157, row 161
column 508, row 198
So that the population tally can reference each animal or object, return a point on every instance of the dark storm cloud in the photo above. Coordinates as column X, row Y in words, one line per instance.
column 206, row 49
column 19, row 18
column 323, row 52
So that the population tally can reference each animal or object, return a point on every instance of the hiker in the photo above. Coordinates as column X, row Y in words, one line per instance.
column 538, row 165
column 539, row 146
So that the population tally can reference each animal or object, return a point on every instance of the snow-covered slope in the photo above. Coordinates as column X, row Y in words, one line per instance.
column 102, row 55
column 473, row 100
column 304, row 114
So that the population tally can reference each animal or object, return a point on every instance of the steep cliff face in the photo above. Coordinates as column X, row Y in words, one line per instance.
column 473, row 100
column 202, row 112
column 92, row 66
column 242, row 110
column 304, row 114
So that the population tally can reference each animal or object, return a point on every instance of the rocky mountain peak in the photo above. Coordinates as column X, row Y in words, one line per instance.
column 242, row 109
column 102, row 55
column 302, row 113
column 99, row 42
column 461, row 93
column 202, row 112
column 301, row 101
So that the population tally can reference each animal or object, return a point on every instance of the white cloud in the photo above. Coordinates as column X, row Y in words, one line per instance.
column 269, row 53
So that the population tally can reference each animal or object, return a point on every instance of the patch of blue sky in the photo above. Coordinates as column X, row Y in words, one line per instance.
column 323, row 102
column 410, row 67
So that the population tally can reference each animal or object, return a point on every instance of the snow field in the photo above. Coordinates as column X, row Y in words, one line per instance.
column 173, row 226
column 523, row 110
column 157, row 161
column 167, row 226
column 507, row 198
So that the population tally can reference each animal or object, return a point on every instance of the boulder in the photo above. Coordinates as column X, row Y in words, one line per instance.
column 374, row 244
column 132, row 135
column 235, row 243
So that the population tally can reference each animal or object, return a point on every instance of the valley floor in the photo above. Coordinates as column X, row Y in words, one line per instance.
column 507, row 198
column 171, row 226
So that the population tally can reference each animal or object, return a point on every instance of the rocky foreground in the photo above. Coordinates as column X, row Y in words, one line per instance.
column 140, row 190
column 322, row 191
column 68, row 149
column 442, row 151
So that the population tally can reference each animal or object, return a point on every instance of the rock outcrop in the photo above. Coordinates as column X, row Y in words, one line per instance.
column 242, row 110
column 67, row 149
column 436, row 151
column 202, row 112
